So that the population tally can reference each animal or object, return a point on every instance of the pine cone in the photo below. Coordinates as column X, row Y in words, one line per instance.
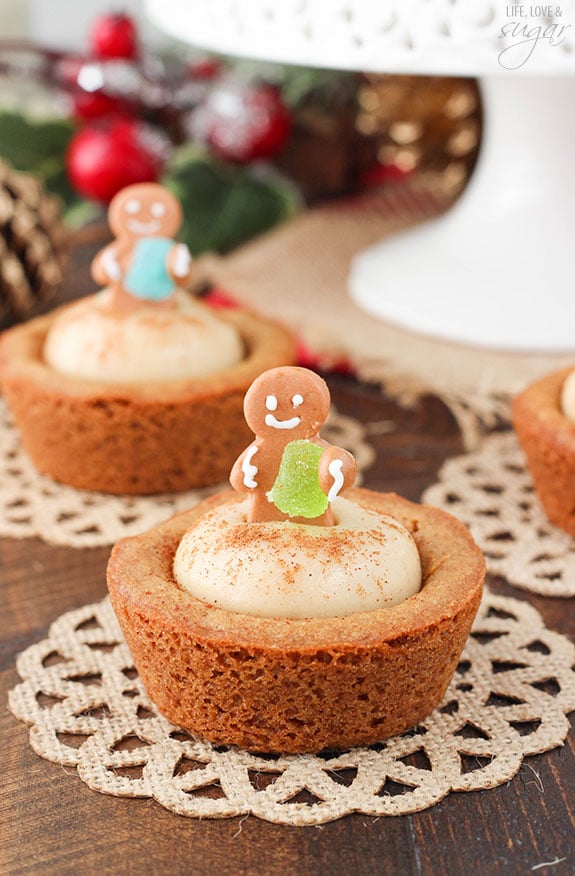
column 33, row 245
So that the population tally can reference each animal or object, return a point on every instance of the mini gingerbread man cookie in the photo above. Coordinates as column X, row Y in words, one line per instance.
column 289, row 471
column 144, row 263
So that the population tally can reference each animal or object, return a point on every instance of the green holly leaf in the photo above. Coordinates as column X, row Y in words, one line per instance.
column 39, row 147
column 31, row 145
column 225, row 205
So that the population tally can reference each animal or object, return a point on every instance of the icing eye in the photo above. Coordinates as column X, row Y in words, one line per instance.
column 132, row 206
column 271, row 403
column 158, row 209
column 297, row 400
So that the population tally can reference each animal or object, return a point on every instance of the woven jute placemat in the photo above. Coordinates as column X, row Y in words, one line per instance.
column 87, row 708
column 298, row 274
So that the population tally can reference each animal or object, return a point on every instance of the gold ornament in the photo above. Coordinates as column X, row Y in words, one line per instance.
column 33, row 245
column 427, row 123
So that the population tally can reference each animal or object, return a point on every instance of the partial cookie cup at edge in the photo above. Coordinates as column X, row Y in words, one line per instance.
column 548, row 441
column 276, row 684
column 135, row 438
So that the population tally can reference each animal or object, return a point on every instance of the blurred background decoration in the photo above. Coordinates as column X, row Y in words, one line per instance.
column 424, row 123
column 244, row 145
column 33, row 244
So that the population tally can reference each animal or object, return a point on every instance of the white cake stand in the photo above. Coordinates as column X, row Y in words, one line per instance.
column 497, row 269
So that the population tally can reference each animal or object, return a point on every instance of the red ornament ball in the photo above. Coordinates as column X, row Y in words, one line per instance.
column 246, row 123
column 114, row 35
column 381, row 174
column 105, row 157
column 89, row 105
column 86, row 105
column 205, row 69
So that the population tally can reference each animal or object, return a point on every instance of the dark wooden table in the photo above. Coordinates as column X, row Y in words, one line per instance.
column 51, row 823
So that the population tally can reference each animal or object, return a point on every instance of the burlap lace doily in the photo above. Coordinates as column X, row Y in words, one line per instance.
column 490, row 490
column 508, row 699
column 33, row 505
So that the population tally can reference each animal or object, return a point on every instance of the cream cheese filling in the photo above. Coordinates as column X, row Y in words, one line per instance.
column 366, row 561
column 568, row 397
column 149, row 343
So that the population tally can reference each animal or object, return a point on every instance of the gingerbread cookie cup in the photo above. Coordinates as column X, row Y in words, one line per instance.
column 279, row 684
column 548, row 440
column 134, row 437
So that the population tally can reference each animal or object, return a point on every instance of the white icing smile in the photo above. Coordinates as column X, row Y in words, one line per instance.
column 143, row 227
column 282, row 424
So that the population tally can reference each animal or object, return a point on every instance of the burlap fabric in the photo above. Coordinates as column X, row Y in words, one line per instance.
column 491, row 491
column 87, row 708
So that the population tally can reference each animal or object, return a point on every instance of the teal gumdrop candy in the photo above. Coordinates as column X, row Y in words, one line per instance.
column 296, row 490
column 147, row 276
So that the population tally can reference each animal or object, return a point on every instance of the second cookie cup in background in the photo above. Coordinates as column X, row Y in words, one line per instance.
column 134, row 438
column 548, row 441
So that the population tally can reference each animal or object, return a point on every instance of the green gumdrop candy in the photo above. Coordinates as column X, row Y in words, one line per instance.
column 296, row 490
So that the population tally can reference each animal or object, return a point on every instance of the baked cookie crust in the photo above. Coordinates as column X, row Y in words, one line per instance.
column 548, row 440
column 277, row 684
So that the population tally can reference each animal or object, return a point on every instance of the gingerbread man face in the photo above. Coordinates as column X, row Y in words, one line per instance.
column 144, row 210
column 287, row 403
